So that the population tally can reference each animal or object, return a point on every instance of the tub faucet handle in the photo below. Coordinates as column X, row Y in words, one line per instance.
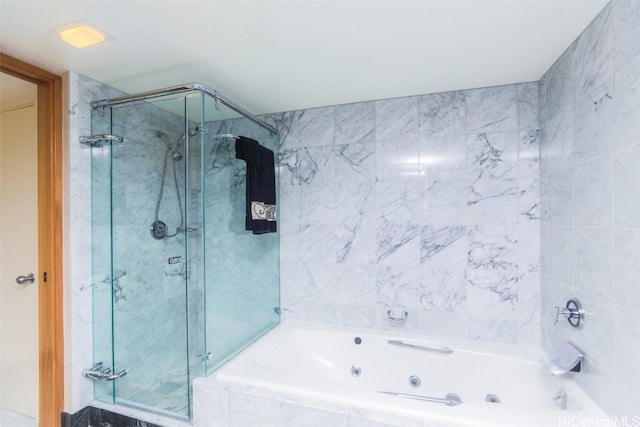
column 561, row 311
column 573, row 312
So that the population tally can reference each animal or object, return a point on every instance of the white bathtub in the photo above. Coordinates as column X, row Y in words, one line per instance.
column 311, row 365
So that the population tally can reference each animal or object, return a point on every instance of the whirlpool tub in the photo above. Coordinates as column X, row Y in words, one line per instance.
column 305, row 374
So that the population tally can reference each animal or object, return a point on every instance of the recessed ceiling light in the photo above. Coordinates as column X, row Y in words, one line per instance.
column 81, row 35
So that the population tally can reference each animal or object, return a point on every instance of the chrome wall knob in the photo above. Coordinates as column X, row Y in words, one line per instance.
column 573, row 312
column 21, row 280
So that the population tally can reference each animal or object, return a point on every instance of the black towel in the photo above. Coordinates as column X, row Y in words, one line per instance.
column 261, row 185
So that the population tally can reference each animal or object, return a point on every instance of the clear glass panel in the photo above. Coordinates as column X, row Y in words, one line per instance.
column 241, row 270
column 101, row 253
column 149, row 274
column 194, row 239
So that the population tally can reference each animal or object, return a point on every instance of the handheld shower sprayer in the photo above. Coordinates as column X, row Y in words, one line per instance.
column 159, row 229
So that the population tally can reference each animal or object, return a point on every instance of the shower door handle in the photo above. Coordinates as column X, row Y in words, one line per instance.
column 21, row 280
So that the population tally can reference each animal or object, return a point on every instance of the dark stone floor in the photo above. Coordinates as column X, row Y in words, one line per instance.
column 96, row 417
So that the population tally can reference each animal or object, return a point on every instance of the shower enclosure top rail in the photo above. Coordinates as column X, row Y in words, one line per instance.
column 174, row 90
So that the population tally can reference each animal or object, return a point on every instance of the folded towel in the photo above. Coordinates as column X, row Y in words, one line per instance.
column 261, row 185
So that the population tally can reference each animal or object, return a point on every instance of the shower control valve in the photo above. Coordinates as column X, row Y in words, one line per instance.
column 573, row 311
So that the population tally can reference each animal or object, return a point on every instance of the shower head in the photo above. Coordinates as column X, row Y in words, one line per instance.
column 175, row 154
column 173, row 150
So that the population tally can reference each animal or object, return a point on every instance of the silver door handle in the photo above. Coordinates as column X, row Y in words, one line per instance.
column 21, row 280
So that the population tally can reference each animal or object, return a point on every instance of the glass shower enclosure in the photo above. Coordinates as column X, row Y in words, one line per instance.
column 179, row 285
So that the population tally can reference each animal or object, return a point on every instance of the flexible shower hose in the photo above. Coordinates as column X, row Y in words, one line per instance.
column 175, row 182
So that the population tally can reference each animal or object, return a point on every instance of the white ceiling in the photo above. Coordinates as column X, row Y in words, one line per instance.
column 271, row 56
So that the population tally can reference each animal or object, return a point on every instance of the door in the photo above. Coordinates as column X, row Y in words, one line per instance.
column 18, row 247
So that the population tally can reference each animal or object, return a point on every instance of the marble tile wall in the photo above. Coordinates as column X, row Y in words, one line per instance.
column 428, row 204
column 590, row 145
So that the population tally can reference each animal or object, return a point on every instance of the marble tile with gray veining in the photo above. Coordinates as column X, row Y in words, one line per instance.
column 492, row 109
column 529, row 310
column 398, row 203
column 626, row 129
column 444, row 246
column 626, row 15
column 592, row 189
column 357, row 316
column 503, row 331
column 593, row 56
column 355, row 203
column 493, row 201
column 298, row 415
column 355, row 123
column 529, row 201
column 529, row 242
column 282, row 122
column 529, row 154
column 556, row 91
column 287, row 165
column 310, row 128
column 557, row 142
column 492, row 263
column 356, row 244
column 397, row 160
column 317, row 243
column 593, row 122
column 443, row 324
column 528, row 108
column 316, row 166
column 355, row 162
column 317, row 205
column 392, row 238
column 355, row 284
column 558, row 197
column 444, row 202
column 594, row 261
column 442, row 114
column 398, row 285
column 493, row 156
column 443, row 267
column 397, row 119
column 626, row 265
column 397, row 272
column 443, row 157
column 627, row 358
column 443, row 290
column 557, row 253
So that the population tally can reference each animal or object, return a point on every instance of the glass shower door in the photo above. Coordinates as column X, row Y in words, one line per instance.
column 148, row 256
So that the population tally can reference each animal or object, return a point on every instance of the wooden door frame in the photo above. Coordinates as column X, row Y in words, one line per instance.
column 50, row 290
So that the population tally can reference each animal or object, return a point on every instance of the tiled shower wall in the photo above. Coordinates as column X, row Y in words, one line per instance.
column 590, row 169
column 428, row 204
